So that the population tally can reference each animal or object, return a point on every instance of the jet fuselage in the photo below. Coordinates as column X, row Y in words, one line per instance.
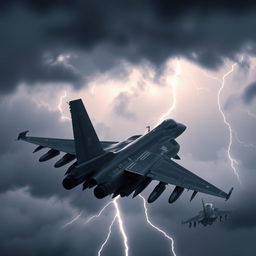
column 111, row 176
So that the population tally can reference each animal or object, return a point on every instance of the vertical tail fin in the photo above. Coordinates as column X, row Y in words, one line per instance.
column 86, row 141
column 203, row 206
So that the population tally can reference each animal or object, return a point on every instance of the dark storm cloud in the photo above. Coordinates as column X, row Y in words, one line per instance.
column 33, row 226
column 243, row 212
column 26, row 54
column 134, row 30
column 249, row 93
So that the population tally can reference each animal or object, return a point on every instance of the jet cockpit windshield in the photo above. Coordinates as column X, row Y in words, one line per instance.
column 208, row 206
column 169, row 123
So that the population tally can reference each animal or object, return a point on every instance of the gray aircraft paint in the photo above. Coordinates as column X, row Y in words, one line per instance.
column 119, row 168
column 208, row 216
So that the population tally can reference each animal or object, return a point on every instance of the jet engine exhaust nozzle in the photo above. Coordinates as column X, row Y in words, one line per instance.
column 68, row 183
column 102, row 190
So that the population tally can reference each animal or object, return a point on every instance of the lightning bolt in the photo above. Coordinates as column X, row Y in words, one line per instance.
column 173, row 81
column 232, row 160
column 73, row 220
column 117, row 216
column 155, row 227
column 97, row 215
column 121, row 227
column 108, row 236
column 62, row 97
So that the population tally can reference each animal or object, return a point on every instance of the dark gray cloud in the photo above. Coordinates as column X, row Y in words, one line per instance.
column 26, row 55
column 243, row 212
column 34, row 205
column 34, row 226
column 249, row 93
column 135, row 31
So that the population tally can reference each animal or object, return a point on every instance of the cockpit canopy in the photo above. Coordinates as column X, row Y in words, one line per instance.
column 169, row 123
column 208, row 205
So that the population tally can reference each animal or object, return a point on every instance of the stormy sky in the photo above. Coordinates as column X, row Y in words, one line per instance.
column 130, row 62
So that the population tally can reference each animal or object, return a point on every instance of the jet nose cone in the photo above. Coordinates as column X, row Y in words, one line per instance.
column 181, row 128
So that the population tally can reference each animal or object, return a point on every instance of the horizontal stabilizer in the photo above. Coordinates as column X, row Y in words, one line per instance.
column 229, row 193
column 22, row 135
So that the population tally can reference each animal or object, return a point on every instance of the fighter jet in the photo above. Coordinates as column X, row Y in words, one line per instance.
column 121, row 168
column 207, row 216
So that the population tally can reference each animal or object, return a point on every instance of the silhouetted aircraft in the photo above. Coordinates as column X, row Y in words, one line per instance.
column 207, row 216
column 120, row 168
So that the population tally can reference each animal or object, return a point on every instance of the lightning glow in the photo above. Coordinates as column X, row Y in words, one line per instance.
column 222, row 81
column 157, row 228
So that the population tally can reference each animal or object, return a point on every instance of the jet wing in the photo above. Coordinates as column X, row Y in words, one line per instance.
column 194, row 219
column 161, row 168
column 64, row 145
column 221, row 213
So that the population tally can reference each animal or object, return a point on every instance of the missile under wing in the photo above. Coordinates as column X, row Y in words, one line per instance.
column 120, row 168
